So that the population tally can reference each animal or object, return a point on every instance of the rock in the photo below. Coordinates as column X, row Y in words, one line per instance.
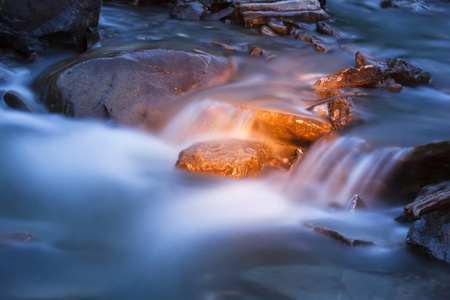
column 423, row 165
column 340, row 111
column 364, row 59
column 232, row 158
column 401, row 71
column 324, row 28
column 223, row 14
column 429, row 201
column 280, row 6
column 256, row 52
column 352, row 230
column 368, row 76
column 128, row 86
column 26, row 24
column 252, row 18
column 16, row 101
column 277, row 27
column 188, row 11
column 266, row 30
column 431, row 235
column 289, row 128
column 355, row 203
column 316, row 42
column 406, row 74
column 17, row 238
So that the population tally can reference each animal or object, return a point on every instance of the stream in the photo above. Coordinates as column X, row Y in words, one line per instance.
column 112, row 218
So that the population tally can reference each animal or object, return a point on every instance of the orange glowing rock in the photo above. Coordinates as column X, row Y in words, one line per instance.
column 368, row 75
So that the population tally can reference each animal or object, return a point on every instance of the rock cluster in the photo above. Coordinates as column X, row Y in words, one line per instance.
column 374, row 72
column 27, row 25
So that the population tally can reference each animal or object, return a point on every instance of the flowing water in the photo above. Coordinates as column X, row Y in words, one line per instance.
column 113, row 218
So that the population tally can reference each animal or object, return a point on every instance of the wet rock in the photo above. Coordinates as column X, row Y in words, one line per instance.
column 278, row 27
column 256, row 52
column 293, row 129
column 286, row 5
column 324, row 28
column 431, row 199
column 188, row 10
column 351, row 230
column 223, row 14
column 355, row 203
column 364, row 59
column 252, row 18
column 26, row 24
column 125, row 86
column 266, row 30
column 424, row 165
column 16, row 101
column 401, row 71
column 316, row 42
column 341, row 111
column 232, row 158
column 431, row 235
column 20, row 237
column 406, row 74
column 368, row 76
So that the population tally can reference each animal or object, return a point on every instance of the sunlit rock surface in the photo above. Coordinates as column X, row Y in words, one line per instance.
column 431, row 235
column 290, row 128
column 118, row 85
column 341, row 111
column 24, row 24
column 235, row 158
column 363, row 76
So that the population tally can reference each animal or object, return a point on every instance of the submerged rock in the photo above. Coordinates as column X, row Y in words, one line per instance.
column 20, row 237
column 431, row 235
column 25, row 24
column 234, row 158
column 414, row 5
column 363, row 76
column 123, row 85
column 16, row 101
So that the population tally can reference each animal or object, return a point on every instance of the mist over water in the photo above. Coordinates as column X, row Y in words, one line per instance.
column 113, row 218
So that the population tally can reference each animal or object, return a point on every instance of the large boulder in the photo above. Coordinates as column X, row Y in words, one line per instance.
column 124, row 86
column 25, row 24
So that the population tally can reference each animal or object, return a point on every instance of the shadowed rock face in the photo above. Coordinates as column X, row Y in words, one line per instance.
column 23, row 23
column 431, row 234
column 118, row 85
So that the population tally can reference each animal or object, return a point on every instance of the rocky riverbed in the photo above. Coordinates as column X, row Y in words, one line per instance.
column 289, row 100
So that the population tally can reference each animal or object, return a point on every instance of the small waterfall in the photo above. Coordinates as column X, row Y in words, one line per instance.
column 334, row 170
column 207, row 119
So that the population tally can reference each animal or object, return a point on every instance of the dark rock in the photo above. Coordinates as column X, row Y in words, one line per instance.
column 423, row 165
column 364, row 59
column 340, row 111
column 368, row 76
column 406, row 74
column 431, row 235
column 25, row 24
column 343, row 238
column 220, row 15
column 324, row 28
column 236, row 158
column 16, row 101
column 124, row 85
column 17, row 238
column 316, row 42
column 429, row 201
column 188, row 11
